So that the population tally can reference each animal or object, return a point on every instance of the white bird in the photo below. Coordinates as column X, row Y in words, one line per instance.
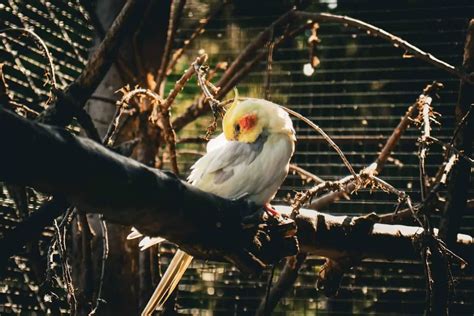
column 250, row 160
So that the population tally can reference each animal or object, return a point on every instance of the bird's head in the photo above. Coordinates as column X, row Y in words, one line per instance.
column 245, row 121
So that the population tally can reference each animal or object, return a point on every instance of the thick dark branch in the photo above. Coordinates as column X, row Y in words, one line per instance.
column 81, row 89
column 130, row 193
column 158, row 203
column 458, row 186
column 337, row 237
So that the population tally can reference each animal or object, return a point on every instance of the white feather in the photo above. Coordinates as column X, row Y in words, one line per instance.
column 134, row 234
column 147, row 242
column 234, row 169
column 216, row 143
column 257, row 178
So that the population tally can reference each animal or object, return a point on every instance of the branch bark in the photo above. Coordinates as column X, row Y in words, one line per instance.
column 76, row 95
column 460, row 175
column 205, row 225
column 458, row 184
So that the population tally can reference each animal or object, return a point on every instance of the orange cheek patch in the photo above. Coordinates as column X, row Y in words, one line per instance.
column 247, row 121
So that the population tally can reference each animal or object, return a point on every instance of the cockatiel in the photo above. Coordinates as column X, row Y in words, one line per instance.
column 250, row 160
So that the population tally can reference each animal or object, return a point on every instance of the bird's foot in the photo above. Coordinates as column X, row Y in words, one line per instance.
column 270, row 210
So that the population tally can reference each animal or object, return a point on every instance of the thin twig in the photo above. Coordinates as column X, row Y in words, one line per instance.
column 410, row 50
column 461, row 124
column 268, row 73
column 392, row 141
column 305, row 174
column 177, row 7
column 423, row 145
column 161, row 111
column 198, row 31
column 125, row 110
column 44, row 47
column 198, row 62
column 326, row 137
column 448, row 148
column 67, row 277
column 204, row 84
column 105, row 255
column 377, row 166
column 269, row 287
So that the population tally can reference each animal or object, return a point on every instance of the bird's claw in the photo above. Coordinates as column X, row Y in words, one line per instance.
column 271, row 211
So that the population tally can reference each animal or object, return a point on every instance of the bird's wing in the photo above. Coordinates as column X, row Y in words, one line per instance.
column 224, row 160
column 216, row 143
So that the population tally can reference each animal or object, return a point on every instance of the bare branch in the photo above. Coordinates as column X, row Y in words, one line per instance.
column 425, row 116
column 209, row 226
column 82, row 88
column 234, row 72
column 460, row 176
column 410, row 50
column 305, row 175
column 327, row 138
column 285, row 282
column 177, row 7
column 44, row 47
column 161, row 111
column 377, row 166
column 241, row 65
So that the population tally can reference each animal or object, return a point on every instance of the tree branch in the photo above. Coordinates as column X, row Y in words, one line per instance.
column 410, row 50
column 76, row 95
column 177, row 7
column 285, row 281
column 458, row 185
column 205, row 225
column 459, row 181
column 377, row 166
column 244, row 62
column 199, row 108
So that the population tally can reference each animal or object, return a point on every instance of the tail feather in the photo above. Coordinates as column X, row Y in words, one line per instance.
column 147, row 242
column 134, row 234
column 168, row 282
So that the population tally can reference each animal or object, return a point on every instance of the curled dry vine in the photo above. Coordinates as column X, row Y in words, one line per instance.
column 51, row 75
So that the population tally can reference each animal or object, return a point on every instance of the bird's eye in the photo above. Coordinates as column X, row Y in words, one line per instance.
column 237, row 128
